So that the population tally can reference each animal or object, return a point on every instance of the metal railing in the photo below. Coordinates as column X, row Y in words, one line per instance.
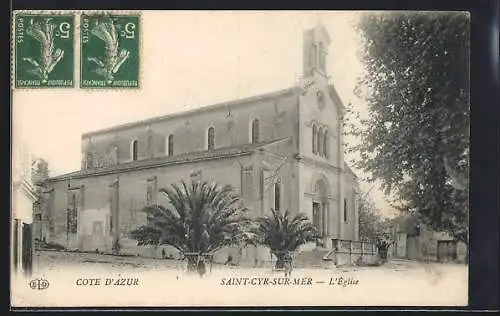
column 354, row 247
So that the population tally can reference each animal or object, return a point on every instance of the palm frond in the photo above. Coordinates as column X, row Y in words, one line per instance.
column 280, row 233
column 199, row 217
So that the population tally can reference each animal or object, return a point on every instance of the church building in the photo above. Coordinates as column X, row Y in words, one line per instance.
column 280, row 150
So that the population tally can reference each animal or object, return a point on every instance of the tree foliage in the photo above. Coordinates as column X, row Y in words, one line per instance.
column 374, row 227
column 39, row 170
column 283, row 233
column 200, row 218
column 370, row 220
column 415, row 139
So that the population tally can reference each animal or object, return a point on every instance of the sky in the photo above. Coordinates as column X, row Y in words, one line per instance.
column 190, row 60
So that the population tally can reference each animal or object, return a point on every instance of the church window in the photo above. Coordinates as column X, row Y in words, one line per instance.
column 135, row 150
column 314, row 56
column 255, row 131
column 247, row 181
column 322, row 57
column 149, row 195
column 170, row 145
column 345, row 210
column 90, row 162
column 211, row 138
column 110, row 223
column 319, row 141
column 325, row 144
column 314, row 135
column 277, row 197
column 151, row 191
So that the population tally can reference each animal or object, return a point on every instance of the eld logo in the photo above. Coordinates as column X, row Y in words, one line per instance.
column 39, row 284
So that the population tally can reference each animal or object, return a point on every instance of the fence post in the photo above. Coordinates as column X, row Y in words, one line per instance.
column 350, row 252
column 335, row 247
column 362, row 249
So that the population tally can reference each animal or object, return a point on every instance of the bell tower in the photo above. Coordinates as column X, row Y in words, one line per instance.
column 315, row 51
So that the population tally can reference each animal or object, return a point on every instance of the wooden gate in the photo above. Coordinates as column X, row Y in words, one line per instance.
column 447, row 250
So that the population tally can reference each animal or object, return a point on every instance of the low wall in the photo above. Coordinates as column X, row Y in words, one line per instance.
column 349, row 252
column 242, row 256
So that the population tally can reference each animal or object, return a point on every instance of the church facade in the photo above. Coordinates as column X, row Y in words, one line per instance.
column 278, row 150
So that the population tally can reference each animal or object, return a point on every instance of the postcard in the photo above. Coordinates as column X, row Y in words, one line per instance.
column 239, row 158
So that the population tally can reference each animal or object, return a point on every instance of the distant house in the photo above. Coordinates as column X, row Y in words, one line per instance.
column 24, row 195
column 417, row 241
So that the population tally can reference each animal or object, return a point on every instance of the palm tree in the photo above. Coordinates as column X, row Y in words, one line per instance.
column 200, row 219
column 282, row 234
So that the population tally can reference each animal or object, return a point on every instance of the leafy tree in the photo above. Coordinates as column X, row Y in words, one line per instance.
column 415, row 139
column 200, row 218
column 283, row 234
column 374, row 227
column 369, row 219
column 39, row 170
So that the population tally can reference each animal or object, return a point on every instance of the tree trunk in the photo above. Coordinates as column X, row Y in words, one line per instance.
column 280, row 261
column 192, row 263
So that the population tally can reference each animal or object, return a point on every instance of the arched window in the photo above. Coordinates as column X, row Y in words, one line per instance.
column 345, row 210
column 277, row 197
column 255, row 131
column 319, row 139
column 211, row 138
column 314, row 56
column 325, row 144
column 170, row 146
column 322, row 57
column 320, row 54
column 134, row 150
column 314, row 136
column 90, row 160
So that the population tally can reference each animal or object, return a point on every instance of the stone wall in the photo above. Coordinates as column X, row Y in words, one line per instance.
column 94, row 228
column 348, row 253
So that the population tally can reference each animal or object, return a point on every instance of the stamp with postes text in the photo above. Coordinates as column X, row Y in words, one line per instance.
column 110, row 49
column 44, row 50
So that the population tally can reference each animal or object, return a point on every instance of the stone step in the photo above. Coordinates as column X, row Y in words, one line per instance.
column 311, row 258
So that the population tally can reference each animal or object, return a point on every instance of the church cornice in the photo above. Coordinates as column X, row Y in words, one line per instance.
column 186, row 158
column 126, row 169
column 315, row 196
column 230, row 104
column 336, row 99
column 312, row 162
column 26, row 188
column 322, row 30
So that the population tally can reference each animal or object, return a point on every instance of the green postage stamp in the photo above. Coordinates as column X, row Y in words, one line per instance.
column 44, row 50
column 109, row 51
